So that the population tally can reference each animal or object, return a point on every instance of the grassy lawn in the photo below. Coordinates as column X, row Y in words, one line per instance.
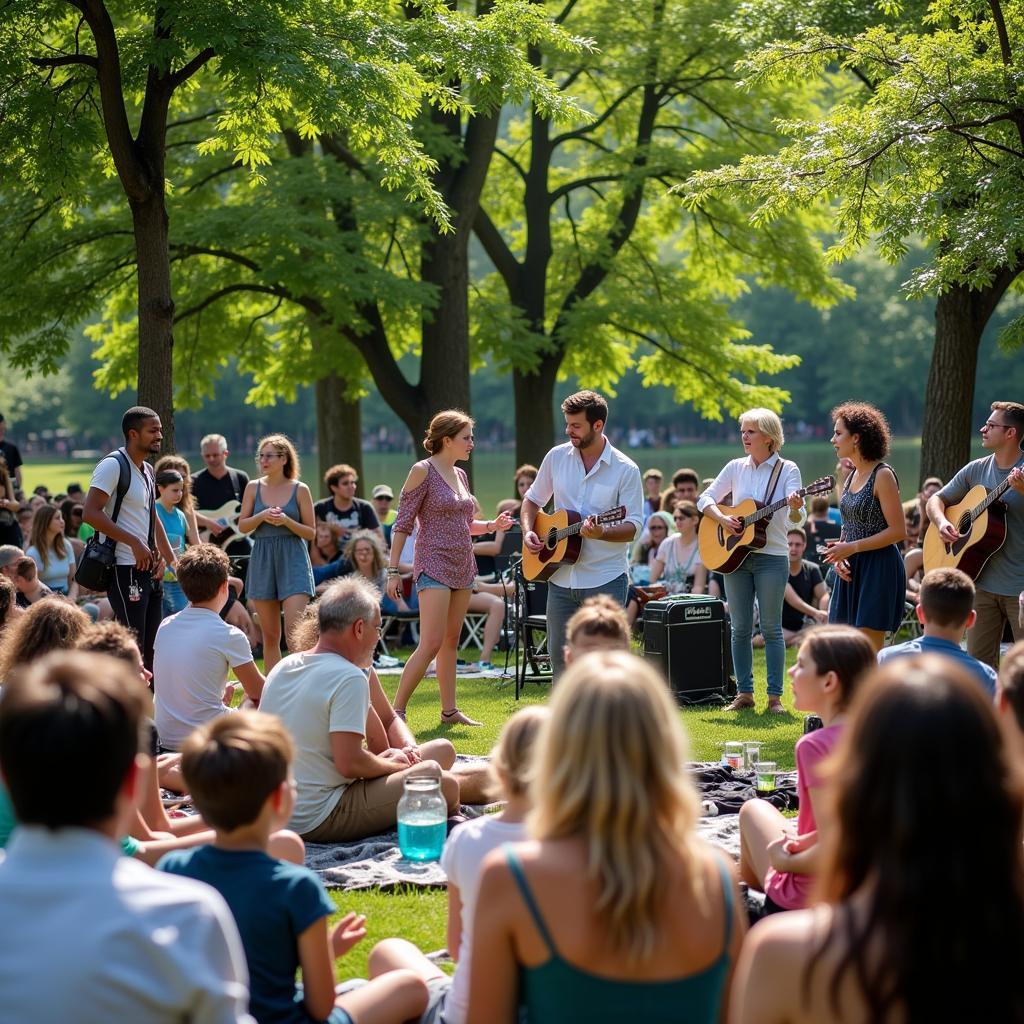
column 419, row 915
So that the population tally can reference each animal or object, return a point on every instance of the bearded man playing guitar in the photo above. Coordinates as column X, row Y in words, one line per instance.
column 762, row 475
column 589, row 475
column 1001, row 578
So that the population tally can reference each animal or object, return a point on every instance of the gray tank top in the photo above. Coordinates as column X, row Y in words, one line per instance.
column 290, row 508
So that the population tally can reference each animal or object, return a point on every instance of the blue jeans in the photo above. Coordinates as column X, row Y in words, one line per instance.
column 563, row 603
column 174, row 599
column 764, row 577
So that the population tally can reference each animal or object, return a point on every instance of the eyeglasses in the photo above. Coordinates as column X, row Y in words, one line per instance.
column 989, row 425
column 261, row 456
column 383, row 497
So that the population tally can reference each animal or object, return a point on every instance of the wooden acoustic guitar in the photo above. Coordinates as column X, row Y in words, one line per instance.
column 981, row 520
column 560, row 533
column 722, row 551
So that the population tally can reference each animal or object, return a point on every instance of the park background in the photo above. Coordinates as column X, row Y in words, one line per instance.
column 270, row 216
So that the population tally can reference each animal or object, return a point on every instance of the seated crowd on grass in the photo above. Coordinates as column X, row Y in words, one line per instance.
column 897, row 894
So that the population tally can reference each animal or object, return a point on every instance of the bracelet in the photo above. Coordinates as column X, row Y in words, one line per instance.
column 392, row 571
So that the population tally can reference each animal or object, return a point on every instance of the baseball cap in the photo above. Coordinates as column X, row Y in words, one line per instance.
column 383, row 491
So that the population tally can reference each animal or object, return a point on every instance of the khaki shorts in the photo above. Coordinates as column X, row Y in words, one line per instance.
column 367, row 807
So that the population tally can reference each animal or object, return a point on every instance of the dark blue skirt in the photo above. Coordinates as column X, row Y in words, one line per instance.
column 876, row 595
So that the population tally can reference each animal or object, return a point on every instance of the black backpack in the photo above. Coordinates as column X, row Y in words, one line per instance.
column 96, row 569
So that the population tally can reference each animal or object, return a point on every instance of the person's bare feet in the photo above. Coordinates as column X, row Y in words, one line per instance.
column 456, row 717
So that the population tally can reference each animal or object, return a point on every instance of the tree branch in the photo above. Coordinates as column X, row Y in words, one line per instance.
column 61, row 62
column 230, row 289
column 571, row 186
column 512, row 160
column 115, row 116
column 597, row 122
column 186, row 71
column 497, row 250
column 184, row 250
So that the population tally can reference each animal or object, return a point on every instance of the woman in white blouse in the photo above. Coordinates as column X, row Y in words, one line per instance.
column 763, row 574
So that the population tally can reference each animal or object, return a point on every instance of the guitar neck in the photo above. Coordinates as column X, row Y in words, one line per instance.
column 994, row 495
column 767, row 510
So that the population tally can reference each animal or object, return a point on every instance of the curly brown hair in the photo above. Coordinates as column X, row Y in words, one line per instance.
column 870, row 426
column 48, row 625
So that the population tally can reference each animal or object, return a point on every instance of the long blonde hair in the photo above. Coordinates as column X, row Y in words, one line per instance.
column 610, row 771
column 379, row 560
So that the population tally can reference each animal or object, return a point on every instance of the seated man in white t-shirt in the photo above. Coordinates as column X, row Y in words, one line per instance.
column 196, row 649
column 344, row 790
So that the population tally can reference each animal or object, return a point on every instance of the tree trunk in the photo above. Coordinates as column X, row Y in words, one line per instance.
column 339, row 427
column 961, row 315
column 156, row 311
column 536, row 429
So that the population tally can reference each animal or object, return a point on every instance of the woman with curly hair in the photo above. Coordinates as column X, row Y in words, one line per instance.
column 872, row 581
column 921, row 922
column 51, row 624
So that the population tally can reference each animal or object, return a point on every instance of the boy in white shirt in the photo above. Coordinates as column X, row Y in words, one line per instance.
column 196, row 649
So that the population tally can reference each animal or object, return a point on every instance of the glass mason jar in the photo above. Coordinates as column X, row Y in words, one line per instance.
column 422, row 819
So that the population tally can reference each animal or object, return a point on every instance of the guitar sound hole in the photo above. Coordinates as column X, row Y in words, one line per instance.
column 550, row 542
column 964, row 526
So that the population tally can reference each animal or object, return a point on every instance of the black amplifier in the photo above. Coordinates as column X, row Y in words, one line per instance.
column 688, row 637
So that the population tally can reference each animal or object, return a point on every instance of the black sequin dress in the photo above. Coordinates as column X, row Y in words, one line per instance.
column 876, row 594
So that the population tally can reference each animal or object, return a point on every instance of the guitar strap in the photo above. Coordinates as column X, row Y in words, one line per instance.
column 773, row 481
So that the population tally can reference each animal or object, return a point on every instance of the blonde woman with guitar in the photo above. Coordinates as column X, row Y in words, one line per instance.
column 762, row 475
column 436, row 495
column 871, row 582
column 979, row 520
column 589, row 476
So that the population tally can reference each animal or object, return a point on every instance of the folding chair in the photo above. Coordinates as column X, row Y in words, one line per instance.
column 531, row 630
column 473, row 630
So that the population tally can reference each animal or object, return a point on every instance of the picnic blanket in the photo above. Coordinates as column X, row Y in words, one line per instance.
column 377, row 862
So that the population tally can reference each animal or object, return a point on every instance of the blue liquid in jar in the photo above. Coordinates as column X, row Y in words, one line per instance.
column 422, row 840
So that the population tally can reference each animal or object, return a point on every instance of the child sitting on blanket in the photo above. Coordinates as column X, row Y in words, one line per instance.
column 773, row 858
column 464, row 853
column 238, row 769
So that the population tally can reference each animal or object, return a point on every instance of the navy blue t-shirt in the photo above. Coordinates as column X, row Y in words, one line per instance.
column 273, row 903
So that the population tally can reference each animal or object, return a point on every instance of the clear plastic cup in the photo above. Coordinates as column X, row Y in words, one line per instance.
column 751, row 755
column 733, row 756
column 765, row 772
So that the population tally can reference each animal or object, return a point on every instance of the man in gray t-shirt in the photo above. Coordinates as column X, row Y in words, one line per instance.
column 1001, row 580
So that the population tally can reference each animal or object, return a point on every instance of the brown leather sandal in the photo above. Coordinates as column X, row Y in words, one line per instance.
column 742, row 702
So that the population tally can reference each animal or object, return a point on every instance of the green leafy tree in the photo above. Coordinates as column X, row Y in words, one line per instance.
column 95, row 93
column 596, row 267
column 931, row 147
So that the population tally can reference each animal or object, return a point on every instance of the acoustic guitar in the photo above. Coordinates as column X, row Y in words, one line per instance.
column 981, row 520
column 722, row 551
column 227, row 515
column 560, row 532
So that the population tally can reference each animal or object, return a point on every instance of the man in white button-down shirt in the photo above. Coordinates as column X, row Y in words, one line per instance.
column 589, row 475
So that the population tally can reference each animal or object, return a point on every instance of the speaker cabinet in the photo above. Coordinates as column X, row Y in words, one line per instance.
column 687, row 636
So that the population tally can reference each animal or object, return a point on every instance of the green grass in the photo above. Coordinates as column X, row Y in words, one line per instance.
column 419, row 915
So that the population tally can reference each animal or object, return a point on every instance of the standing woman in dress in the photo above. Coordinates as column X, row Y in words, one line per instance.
column 764, row 573
column 872, row 582
column 277, row 509
column 436, row 494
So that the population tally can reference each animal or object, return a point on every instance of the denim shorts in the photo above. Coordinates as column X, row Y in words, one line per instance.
column 426, row 582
